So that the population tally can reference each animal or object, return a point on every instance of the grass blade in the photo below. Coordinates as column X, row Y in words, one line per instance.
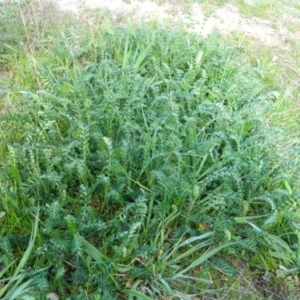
column 25, row 256
column 18, row 290
column 137, row 294
column 201, row 259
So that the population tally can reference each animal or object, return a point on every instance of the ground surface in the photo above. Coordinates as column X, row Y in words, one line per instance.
column 201, row 18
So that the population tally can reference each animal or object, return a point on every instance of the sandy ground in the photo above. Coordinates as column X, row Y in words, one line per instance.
column 226, row 19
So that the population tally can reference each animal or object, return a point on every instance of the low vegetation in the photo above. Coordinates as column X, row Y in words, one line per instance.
column 139, row 163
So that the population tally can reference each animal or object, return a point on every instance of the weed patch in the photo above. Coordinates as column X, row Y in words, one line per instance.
column 146, row 153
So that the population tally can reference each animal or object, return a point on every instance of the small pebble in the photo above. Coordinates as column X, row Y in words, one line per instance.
column 52, row 296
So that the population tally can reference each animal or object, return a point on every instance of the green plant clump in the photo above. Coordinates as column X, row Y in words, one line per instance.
column 146, row 154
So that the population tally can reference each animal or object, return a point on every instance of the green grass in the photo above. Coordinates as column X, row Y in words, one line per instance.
column 150, row 161
column 268, row 9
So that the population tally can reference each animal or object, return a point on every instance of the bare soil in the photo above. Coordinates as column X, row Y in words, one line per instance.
column 226, row 19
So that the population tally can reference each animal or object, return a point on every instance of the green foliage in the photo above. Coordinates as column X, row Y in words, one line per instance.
column 148, row 153
column 14, row 280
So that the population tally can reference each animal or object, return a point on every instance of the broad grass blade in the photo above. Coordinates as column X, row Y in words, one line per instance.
column 137, row 294
column 22, row 262
column 201, row 259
